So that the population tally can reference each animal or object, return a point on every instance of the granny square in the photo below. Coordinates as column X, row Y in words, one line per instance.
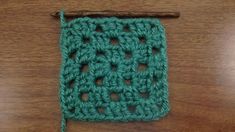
column 113, row 69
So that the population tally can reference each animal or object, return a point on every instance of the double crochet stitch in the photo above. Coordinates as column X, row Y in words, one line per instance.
column 113, row 69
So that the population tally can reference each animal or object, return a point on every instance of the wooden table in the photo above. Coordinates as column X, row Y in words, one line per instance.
column 201, row 51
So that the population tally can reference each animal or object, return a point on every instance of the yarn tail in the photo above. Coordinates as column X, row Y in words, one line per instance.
column 63, row 120
column 62, row 19
column 63, row 123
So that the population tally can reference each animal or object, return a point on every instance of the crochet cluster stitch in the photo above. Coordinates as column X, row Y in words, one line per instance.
column 113, row 69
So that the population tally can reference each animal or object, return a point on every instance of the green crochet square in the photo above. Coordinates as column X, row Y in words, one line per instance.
column 113, row 69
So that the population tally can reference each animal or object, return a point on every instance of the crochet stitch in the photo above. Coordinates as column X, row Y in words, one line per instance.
column 113, row 69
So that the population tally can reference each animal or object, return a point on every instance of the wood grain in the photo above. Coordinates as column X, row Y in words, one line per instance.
column 201, row 45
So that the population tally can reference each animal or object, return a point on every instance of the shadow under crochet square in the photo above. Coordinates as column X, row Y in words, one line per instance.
column 113, row 69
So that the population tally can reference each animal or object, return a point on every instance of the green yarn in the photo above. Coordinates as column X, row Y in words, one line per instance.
column 113, row 70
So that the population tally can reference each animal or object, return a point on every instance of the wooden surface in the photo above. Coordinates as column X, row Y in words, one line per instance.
column 201, row 51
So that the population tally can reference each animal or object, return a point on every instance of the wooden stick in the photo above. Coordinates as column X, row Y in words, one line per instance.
column 120, row 14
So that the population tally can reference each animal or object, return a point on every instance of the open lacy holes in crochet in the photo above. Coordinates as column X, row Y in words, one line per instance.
column 113, row 69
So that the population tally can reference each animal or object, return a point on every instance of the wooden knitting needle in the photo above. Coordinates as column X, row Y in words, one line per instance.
column 120, row 14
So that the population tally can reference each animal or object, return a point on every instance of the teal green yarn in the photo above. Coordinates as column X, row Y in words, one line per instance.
column 113, row 70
